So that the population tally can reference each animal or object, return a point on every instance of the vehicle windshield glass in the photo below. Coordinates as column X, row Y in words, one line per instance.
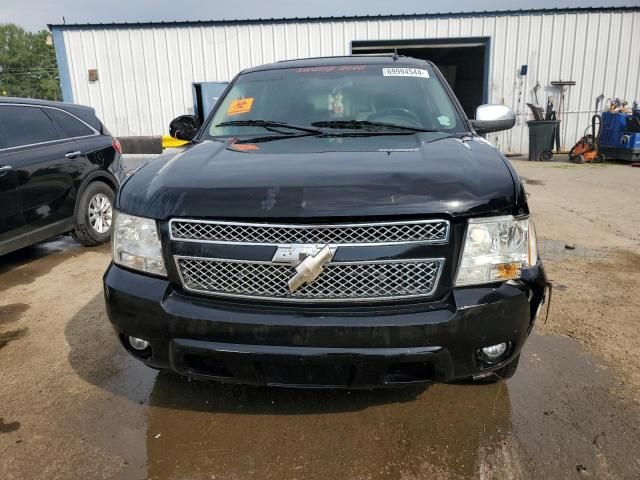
column 337, row 97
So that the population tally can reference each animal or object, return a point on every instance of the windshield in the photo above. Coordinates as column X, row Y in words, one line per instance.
column 342, row 97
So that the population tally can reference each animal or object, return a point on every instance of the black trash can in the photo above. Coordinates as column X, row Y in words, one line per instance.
column 542, row 135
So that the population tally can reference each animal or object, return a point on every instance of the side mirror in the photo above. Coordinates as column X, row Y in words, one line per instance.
column 493, row 118
column 184, row 127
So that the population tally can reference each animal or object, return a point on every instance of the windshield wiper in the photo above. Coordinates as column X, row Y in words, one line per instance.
column 270, row 125
column 366, row 124
column 271, row 138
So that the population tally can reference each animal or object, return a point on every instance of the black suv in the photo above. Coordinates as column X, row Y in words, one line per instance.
column 59, row 170
column 336, row 222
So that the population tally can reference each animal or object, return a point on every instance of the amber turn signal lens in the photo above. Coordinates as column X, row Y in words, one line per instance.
column 507, row 271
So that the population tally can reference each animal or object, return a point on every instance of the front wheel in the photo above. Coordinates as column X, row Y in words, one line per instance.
column 546, row 155
column 94, row 217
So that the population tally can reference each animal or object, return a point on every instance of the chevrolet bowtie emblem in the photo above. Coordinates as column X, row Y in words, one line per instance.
column 309, row 261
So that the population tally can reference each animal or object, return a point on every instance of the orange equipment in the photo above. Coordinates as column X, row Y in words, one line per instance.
column 588, row 147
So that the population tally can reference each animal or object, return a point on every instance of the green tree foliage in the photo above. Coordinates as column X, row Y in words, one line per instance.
column 27, row 64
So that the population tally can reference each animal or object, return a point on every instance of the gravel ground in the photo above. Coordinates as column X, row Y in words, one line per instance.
column 73, row 405
column 588, row 217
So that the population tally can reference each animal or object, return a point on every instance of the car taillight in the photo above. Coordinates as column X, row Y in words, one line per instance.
column 116, row 145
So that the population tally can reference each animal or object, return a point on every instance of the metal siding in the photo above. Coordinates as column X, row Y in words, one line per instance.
column 63, row 66
column 146, row 72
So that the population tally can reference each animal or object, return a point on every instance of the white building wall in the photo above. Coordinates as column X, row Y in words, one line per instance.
column 146, row 71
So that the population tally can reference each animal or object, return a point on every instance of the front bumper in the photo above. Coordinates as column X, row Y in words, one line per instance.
column 313, row 346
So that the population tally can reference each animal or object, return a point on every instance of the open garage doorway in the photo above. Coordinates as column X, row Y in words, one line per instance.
column 464, row 62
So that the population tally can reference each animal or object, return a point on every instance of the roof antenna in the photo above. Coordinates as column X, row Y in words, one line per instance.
column 395, row 55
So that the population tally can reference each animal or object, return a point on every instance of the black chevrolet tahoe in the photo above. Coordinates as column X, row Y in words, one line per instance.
column 335, row 222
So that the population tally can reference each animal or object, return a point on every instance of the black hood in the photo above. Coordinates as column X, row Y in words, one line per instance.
column 322, row 177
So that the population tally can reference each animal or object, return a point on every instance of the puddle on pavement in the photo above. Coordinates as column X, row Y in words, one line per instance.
column 555, row 416
column 12, row 312
column 21, row 268
column 12, row 335
column 237, row 432
column 114, row 422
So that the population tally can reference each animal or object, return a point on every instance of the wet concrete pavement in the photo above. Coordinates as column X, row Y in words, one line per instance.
column 557, row 418
column 74, row 405
column 535, row 426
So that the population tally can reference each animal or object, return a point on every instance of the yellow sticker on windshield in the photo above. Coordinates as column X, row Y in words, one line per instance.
column 242, row 105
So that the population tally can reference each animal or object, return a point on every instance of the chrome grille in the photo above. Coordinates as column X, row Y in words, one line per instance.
column 422, row 231
column 340, row 281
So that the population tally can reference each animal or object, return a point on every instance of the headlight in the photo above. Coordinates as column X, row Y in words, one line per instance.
column 136, row 244
column 496, row 249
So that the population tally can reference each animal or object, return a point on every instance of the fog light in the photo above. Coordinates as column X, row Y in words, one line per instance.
column 138, row 343
column 494, row 352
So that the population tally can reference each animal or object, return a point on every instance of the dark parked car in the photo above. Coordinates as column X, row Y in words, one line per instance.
column 59, row 170
column 336, row 222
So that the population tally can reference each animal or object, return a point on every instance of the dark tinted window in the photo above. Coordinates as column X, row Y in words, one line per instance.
column 68, row 125
column 26, row 125
column 3, row 138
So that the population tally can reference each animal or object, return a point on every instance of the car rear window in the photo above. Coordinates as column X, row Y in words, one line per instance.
column 24, row 125
column 68, row 126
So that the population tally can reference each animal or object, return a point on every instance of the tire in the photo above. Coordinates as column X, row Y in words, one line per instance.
column 91, row 228
column 503, row 373
column 578, row 159
column 600, row 158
